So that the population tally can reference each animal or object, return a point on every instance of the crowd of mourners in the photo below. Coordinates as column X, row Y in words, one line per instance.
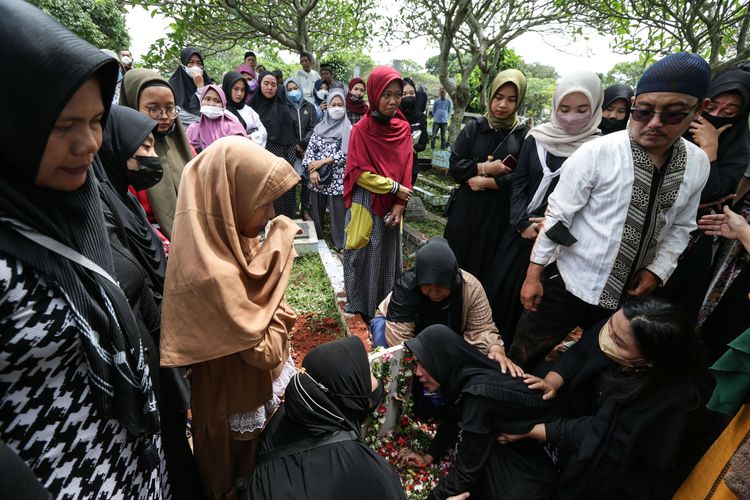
column 581, row 331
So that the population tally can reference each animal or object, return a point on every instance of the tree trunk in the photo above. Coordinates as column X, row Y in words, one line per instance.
column 460, row 101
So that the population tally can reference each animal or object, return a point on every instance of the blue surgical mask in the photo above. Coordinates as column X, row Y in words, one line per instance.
column 294, row 95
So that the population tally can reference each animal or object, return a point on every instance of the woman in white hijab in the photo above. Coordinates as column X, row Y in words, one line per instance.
column 576, row 113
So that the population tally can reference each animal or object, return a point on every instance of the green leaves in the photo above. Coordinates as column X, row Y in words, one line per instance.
column 716, row 29
column 321, row 27
column 100, row 22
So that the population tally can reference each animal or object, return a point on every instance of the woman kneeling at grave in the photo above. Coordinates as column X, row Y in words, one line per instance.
column 436, row 292
column 628, row 390
column 312, row 448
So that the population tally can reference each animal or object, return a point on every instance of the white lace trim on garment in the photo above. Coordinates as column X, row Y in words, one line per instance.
column 254, row 420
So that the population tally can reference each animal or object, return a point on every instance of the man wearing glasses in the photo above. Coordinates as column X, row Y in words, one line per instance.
column 621, row 214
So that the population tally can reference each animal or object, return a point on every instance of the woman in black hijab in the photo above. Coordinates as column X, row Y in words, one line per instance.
column 615, row 108
column 121, row 166
column 631, row 395
column 436, row 292
column 415, row 116
column 235, row 89
column 312, row 448
column 722, row 132
column 188, row 78
column 271, row 104
column 482, row 404
column 76, row 402
column 127, row 157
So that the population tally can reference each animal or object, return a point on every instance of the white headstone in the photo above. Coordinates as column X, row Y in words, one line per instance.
column 389, row 366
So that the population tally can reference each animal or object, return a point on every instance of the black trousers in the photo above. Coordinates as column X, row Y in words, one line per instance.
column 559, row 312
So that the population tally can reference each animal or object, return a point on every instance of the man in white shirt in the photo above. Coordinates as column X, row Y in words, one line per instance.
column 307, row 77
column 621, row 214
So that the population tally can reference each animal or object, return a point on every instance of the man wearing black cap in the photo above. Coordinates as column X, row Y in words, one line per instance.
column 621, row 214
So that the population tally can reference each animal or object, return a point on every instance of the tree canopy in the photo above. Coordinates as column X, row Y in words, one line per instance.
column 324, row 28
column 625, row 72
column 100, row 22
column 717, row 30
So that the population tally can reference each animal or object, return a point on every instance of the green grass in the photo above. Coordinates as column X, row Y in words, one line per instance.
column 438, row 176
column 428, row 227
column 309, row 289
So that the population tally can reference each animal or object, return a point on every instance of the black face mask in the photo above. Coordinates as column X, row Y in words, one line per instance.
column 609, row 125
column 380, row 117
column 408, row 103
column 355, row 98
column 718, row 121
column 149, row 172
column 376, row 397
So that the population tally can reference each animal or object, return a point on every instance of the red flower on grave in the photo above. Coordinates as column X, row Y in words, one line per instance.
column 382, row 410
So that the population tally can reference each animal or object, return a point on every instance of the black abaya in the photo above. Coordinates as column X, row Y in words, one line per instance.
column 614, row 440
column 508, row 270
column 139, row 263
column 478, row 219
column 418, row 121
column 329, row 399
column 483, row 402
column 688, row 283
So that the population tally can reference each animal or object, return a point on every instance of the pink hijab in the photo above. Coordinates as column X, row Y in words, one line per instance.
column 203, row 133
column 246, row 68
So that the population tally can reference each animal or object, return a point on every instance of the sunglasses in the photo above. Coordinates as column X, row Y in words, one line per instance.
column 667, row 117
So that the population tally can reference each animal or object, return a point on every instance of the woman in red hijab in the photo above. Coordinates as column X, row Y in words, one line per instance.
column 377, row 185
column 356, row 104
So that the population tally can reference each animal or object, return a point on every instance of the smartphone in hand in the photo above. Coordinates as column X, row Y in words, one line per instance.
column 510, row 162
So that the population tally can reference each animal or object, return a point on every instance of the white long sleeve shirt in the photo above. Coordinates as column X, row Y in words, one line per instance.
column 308, row 83
column 592, row 200
column 255, row 128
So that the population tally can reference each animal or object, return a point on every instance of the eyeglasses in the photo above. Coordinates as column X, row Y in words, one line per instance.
column 667, row 117
column 157, row 113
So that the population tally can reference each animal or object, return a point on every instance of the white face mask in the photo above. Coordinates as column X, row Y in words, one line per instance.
column 127, row 61
column 212, row 112
column 322, row 94
column 193, row 70
column 336, row 113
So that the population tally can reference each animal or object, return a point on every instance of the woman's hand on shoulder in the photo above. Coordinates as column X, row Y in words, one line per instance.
column 541, row 384
column 497, row 353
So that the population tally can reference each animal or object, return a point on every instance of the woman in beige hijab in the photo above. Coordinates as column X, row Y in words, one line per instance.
column 224, row 308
